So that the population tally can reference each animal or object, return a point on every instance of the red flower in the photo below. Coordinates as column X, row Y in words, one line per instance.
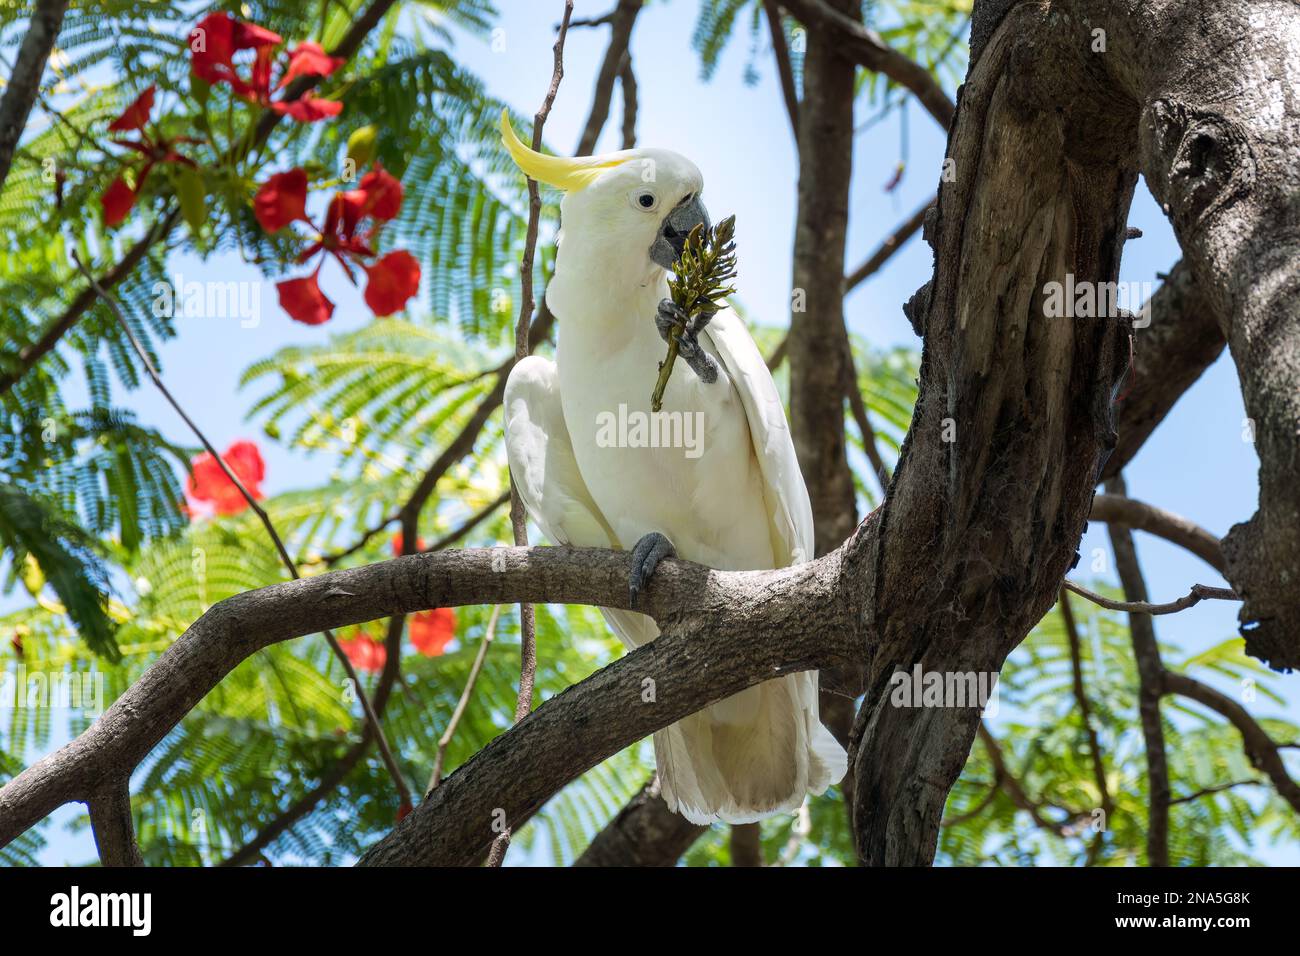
column 208, row 483
column 365, row 653
column 281, row 200
column 135, row 115
column 118, row 200
column 219, row 36
column 383, row 194
column 398, row 543
column 304, row 301
column 308, row 108
column 308, row 59
column 432, row 631
column 393, row 280
column 213, row 44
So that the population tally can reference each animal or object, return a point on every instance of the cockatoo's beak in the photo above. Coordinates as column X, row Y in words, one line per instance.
column 677, row 225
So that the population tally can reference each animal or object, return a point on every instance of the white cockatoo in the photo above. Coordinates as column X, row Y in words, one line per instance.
column 733, row 500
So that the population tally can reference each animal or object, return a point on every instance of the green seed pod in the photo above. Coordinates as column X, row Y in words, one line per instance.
column 362, row 146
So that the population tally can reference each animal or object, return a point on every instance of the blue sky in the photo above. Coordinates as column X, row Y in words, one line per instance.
column 1196, row 463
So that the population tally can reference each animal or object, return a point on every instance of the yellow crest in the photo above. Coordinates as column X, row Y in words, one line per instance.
column 558, row 171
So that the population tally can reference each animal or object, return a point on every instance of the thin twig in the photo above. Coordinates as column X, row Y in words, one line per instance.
column 1198, row 593
column 892, row 243
column 1011, row 786
column 1207, row 791
column 371, row 718
column 475, row 669
column 518, row 519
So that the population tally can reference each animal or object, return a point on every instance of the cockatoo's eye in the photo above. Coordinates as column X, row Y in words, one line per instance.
column 645, row 200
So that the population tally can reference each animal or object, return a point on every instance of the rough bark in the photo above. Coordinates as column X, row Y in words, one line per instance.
column 645, row 833
column 552, row 746
column 978, row 531
column 112, row 825
column 1220, row 131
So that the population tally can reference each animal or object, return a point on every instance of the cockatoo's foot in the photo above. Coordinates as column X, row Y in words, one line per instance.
column 672, row 324
column 646, row 555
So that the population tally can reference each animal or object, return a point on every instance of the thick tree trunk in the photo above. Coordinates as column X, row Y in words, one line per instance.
column 1014, row 417
column 1219, row 142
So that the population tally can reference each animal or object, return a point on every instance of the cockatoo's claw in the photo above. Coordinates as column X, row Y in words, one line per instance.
column 698, row 359
column 646, row 555
column 669, row 319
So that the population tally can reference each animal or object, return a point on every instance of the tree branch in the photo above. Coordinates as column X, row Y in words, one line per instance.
column 1150, row 675
column 781, row 54
column 1264, row 753
column 892, row 243
column 518, row 517
column 1183, row 339
column 1085, row 717
column 112, row 825
column 25, row 82
column 371, row 718
column 1198, row 593
column 867, row 49
column 621, row 20
column 1164, row 524
column 627, row 83
column 645, row 833
column 475, row 669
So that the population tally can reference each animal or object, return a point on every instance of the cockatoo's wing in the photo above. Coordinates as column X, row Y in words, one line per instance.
column 542, row 464
column 786, row 496
column 547, row 479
